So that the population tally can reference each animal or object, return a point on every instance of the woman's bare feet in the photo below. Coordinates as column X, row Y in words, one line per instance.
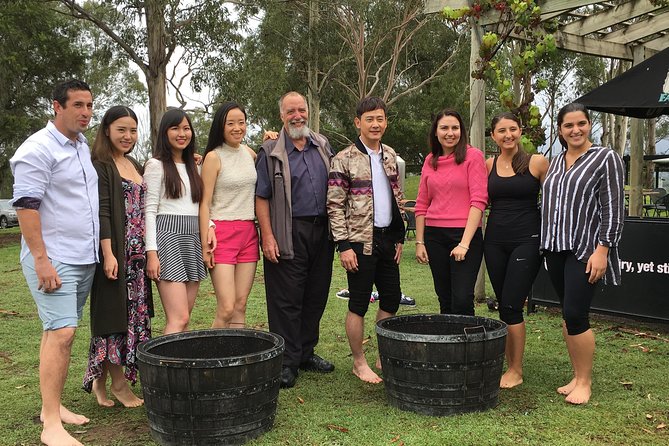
column 510, row 379
column 125, row 395
column 100, row 392
column 69, row 417
column 57, row 436
column 567, row 389
column 366, row 374
column 580, row 394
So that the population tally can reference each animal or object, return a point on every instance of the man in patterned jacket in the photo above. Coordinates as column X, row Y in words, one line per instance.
column 363, row 206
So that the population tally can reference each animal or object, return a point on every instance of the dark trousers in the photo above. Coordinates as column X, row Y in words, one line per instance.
column 512, row 268
column 378, row 269
column 571, row 284
column 297, row 290
column 453, row 281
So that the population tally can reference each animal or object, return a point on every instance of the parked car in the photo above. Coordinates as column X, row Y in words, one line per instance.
column 7, row 215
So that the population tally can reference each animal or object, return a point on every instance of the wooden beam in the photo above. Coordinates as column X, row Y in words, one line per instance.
column 639, row 30
column 593, row 47
column 432, row 6
column 549, row 10
column 609, row 17
column 658, row 44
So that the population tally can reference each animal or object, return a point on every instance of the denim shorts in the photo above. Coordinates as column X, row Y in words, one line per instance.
column 62, row 307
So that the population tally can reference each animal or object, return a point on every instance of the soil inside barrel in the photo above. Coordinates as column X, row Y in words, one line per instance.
column 217, row 347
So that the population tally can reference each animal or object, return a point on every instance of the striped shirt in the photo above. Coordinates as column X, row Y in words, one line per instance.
column 584, row 206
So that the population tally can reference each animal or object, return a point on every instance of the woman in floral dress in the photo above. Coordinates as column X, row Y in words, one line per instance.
column 121, row 304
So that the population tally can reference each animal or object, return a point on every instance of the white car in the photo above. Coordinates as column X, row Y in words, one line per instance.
column 8, row 215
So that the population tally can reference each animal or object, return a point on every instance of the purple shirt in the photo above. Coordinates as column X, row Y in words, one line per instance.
column 308, row 179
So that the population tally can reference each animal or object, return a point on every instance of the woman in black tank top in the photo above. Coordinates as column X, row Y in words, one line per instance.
column 511, row 244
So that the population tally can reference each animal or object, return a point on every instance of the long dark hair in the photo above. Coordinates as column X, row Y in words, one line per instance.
column 571, row 107
column 521, row 160
column 216, row 133
column 163, row 152
column 432, row 140
column 103, row 147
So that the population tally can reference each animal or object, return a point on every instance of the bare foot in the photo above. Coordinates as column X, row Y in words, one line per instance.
column 58, row 436
column 567, row 389
column 510, row 379
column 366, row 374
column 378, row 364
column 100, row 392
column 69, row 417
column 126, row 397
column 580, row 394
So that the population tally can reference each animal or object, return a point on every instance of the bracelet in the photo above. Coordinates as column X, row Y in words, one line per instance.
column 420, row 242
column 463, row 246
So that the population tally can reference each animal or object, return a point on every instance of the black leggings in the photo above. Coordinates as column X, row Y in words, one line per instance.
column 453, row 281
column 512, row 268
column 570, row 281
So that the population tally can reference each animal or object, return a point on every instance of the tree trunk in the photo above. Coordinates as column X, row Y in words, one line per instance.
column 649, row 171
column 313, row 96
column 477, row 129
column 156, row 71
column 605, row 129
column 621, row 134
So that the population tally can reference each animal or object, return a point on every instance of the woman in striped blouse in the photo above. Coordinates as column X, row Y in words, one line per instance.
column 581, row 225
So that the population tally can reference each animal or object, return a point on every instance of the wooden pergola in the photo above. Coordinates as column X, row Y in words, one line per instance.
column 630, row 30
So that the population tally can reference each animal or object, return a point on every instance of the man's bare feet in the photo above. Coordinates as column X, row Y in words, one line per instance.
column 100, row 392
column 69, row 417
column 580, row 394
column 567, row 389
column 58, row 436
column 510, row 379
column 365, row 373
column 125, row 395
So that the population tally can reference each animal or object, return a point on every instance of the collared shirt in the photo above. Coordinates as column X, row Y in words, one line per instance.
column 308, row 179
column 584, row 206
column 383, row 194
column 58, row 172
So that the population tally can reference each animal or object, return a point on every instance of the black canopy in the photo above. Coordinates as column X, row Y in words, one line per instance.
column 640, row 92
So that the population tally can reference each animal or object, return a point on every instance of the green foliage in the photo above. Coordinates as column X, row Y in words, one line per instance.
column 533, row 52
column 276, row 57
column 38, row 48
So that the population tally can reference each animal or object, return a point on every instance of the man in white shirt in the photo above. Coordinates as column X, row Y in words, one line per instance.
column 56, row 197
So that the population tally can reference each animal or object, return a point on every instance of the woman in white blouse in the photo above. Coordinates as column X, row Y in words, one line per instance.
column 173, row 247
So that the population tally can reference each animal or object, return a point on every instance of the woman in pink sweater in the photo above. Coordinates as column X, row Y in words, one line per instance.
column 451, row 199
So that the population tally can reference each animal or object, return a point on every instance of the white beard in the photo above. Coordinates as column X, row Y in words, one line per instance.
column 297, row 132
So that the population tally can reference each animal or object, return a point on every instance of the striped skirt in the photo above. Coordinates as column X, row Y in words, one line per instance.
column 179, row 248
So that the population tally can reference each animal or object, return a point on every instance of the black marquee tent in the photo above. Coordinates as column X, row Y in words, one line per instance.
column 640, row 92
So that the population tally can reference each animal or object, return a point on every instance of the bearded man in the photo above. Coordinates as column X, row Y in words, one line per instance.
column 291, row 194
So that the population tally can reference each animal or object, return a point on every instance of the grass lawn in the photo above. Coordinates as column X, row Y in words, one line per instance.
column 630, row 404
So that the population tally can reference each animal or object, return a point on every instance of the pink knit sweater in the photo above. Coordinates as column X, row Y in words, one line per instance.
column 445, row 195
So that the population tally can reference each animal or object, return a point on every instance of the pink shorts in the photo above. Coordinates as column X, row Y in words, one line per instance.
column 236, row 242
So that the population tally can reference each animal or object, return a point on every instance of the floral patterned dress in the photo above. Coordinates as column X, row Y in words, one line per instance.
column 121, row 348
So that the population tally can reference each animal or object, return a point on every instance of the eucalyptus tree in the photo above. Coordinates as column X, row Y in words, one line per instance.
column 152, row 34
column 37, row 48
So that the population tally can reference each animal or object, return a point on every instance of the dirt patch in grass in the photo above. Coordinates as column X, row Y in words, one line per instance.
column 129, row 433
column 8, row 239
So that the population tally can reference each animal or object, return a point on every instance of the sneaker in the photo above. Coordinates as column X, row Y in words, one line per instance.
column 374, row 297
column 408, row 301
column 343, row 294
